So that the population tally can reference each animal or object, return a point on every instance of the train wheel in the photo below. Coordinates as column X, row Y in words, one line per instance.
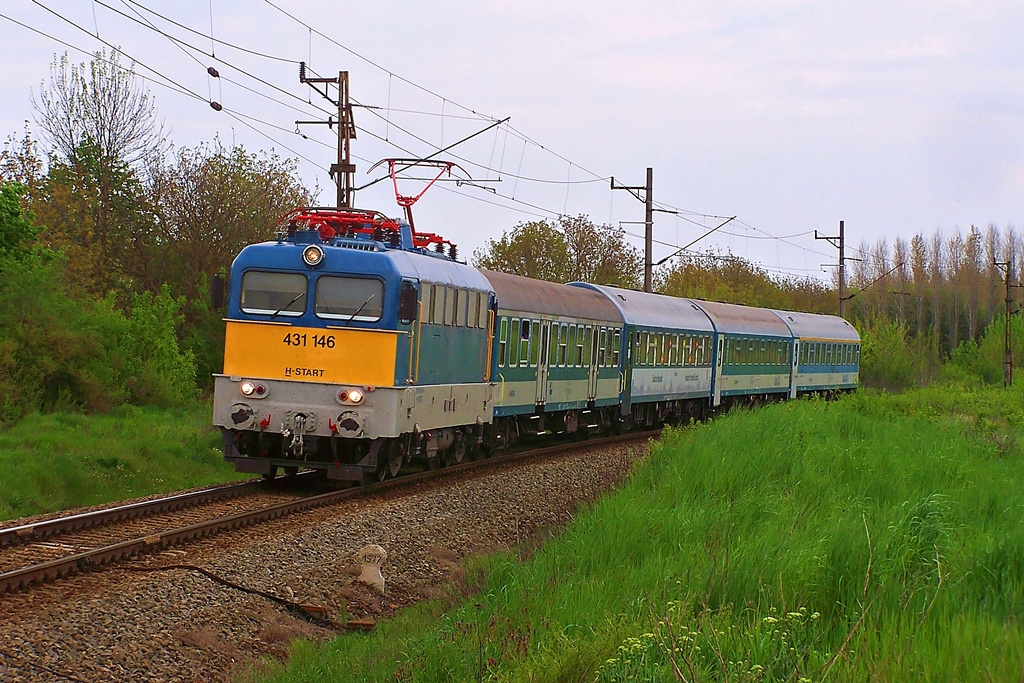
column 457, row 453
column 394, row 457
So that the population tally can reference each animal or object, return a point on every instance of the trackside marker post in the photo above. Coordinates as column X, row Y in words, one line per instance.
column 372, row 557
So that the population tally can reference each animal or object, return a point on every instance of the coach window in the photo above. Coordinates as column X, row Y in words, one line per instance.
column 616, row 347
column 535, row 337
column 563, row 340
column 524, row 343
column 281, row 294
column 588, row 339
column 349, row 298
column 513, row 337
column 600, row 348
column 502, row 342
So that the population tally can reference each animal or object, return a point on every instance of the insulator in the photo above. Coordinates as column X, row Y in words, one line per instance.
column 216, row 106
column 213, row 72
column 439, row 248
column 302, row 72
column 453, row 252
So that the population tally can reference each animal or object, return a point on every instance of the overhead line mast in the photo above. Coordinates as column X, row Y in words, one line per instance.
column 343, row 172
column 648, row 200
column 839, row 242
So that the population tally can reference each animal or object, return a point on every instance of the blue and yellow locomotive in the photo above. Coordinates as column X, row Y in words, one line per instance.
column 353, row 347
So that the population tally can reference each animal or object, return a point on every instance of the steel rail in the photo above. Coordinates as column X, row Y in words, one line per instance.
column 47, row 571
column 85, row 520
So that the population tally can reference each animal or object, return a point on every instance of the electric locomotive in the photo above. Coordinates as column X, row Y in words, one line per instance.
column 352, row 347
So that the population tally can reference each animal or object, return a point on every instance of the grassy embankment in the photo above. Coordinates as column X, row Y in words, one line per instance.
column 59, row 461
column 875, row 538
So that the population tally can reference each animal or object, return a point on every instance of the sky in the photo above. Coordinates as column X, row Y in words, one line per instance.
column 898, row 118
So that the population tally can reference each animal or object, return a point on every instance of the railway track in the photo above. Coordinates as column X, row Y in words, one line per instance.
column 52, row 549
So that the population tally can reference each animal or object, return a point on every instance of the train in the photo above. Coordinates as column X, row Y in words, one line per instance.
column 355, row 345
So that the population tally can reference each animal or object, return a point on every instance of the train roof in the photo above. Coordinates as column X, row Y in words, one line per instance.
column 654, row 310
column 358, row 259
column 526, row 295
column 818, row 326
column 745, row 320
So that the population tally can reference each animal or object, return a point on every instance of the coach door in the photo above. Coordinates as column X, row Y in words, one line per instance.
column 719, row 357
column 793, row 368
column 626, row 390
column 542, row 363
column 593, row 370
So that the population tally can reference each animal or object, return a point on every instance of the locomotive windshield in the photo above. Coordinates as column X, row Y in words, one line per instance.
column 349, row 298
column 267, row 293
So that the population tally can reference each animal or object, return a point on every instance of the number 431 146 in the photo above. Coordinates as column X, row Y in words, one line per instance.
column 325, row 341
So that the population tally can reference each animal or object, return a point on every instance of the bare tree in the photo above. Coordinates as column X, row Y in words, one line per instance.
column 101, row 103
column 937, row 282
column 919, row 269
column 901, row 258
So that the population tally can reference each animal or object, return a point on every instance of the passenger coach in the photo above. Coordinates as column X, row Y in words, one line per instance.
column 557, row 355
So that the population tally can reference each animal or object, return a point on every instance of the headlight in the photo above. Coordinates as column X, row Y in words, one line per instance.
column 353, row 396
column 313, row 255
column 253, row 389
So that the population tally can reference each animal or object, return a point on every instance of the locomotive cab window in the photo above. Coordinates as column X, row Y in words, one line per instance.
column 349, row 298
column 266, row 293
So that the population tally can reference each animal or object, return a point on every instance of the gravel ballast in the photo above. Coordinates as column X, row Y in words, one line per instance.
column 178, row 625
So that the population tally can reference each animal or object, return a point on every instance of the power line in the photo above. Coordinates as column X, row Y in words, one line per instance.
column 169, row 84
column 203, row 35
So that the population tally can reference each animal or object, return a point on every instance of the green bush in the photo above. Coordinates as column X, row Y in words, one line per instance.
column 891, row 359
column 58, row 352
column 158, row 371
column 983, row 358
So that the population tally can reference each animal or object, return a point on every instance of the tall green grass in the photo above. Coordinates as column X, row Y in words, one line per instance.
column 874, row 538
column 65, row 460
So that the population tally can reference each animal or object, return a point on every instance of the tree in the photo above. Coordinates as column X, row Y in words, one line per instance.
column 20, row 162
column 574, row 248
column 102, row 104
column 98, row 214
column 16, row 228
column 210, row 202
column 534, row 249
column 733, row 280
column 600, row 254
